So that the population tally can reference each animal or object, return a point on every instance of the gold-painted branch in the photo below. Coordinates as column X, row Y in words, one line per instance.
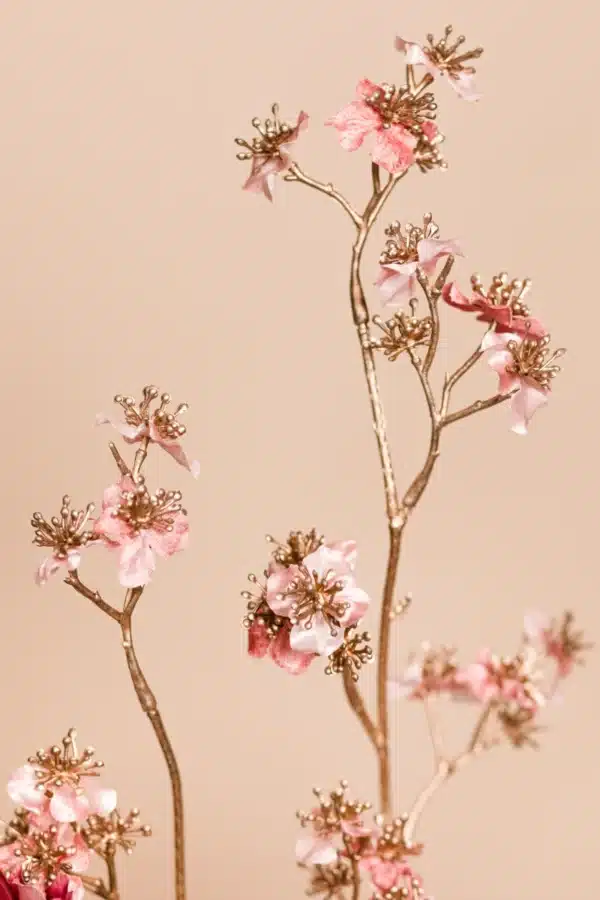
column 74, row 581
column 476, row 407
column 111, row 868
column 149, row 705
column 358, row 706
column 295, row 173
column 95, row 886
column 446, row 768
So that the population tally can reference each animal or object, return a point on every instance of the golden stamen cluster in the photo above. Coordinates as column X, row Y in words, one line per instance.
column 519, row 725
column 40, row 858
column 438, row 664
column 402, row 242
column 534, row 360
column 63, row 765
column 258, row 610
column 399, row 106
column 402, row 332
column 314, row 595
column 272, row 133
column 568, row 640
column 503, row 292
column 141, row 414
column 299, row 545
column 331, row 880
column 17, row 827
column 65, row 532
column 401, row 892
column 103, row 834
column 392, row 843
column 141, row 510
column 445, row 55
column 333, row 809
column 521, row 669
column 354, row 653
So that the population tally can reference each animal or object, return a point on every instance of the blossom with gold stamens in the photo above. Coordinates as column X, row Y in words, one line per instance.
column 406, row 251
column 525, row 368
column 57, row 781
column 65, row 535
column 155, row 424
column 502, row 304
column 446, row 58
column 402, row 123
column 104, row 834
column 269, row 151
column 141, row 526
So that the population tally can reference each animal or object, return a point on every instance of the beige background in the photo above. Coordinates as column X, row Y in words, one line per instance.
column 128, row 254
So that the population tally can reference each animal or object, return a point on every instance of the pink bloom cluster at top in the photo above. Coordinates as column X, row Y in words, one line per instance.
column 307, row 607
column 463, row 82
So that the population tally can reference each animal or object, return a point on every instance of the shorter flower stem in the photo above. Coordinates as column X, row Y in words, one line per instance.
column 446, row 768
column 295, row 173
column 358, row 706
column 434, row 731
column 75, row 582
column 113, row 885
column 476, row 407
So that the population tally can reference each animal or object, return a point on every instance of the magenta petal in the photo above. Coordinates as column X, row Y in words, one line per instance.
column 454, row 297
column 28, row 892
column 259, row 640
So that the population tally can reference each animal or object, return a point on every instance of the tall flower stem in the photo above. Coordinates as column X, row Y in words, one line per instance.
column 144, row 693
column 398, row 509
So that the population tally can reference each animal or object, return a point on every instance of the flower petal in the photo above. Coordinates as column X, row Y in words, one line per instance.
column 347, row 549
column 103, row 800
column 359, row 602
column 464, row 85
column 259, row 639
column 136, row 563
column 279, row 595
column 318, row 639
column 68, row 806
column 315, row 851
column 392, row 149
column 22, row 789
column 524, row 404
column 47, row 568
column 354, row 122
column 432, row 249
column 131, row 433
column 285, row 657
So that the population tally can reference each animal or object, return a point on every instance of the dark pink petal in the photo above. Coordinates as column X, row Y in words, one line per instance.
column 527, row 326
column 384, row 873
column 455, row 297
column 301, row 125
column 259, row 640
column 430, row 130
column 7, row 891
column 292, row 661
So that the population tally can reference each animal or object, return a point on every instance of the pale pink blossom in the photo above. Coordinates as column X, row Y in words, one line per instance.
column 141, row 527
column 494, row 679
column 397, row 281
column 433, row 671
column 520, row 381
column 269, row 152
column 394, row 145
column 315, row 850
column 319, row 597
column 504, row 316
column 66, row 803
column 262, row 642
column 442, row 64
column 151, row 430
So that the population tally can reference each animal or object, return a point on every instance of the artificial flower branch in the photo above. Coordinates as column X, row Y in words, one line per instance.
column 309, row 605
column 138, row 526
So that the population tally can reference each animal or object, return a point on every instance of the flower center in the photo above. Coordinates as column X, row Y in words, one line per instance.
column 64, row 765
column 272, row 133
column 317, row 596
column 445, row 56
column 41, row 859
column 64, row 532
column 532, row 359
column 142, row 511
column 165, row 423
column 397, row 106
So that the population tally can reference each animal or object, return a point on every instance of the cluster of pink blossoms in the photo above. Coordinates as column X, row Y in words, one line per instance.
column 400, row 120
column 61, row 819
column 138, row 526
column 338, row 837
column 307, row 604
column 515, row 687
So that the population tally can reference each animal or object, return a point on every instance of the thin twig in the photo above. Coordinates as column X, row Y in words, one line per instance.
column 358, row 706
column 295, row 173
column 434, row 731
column 476, row 407
column 74, row 581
